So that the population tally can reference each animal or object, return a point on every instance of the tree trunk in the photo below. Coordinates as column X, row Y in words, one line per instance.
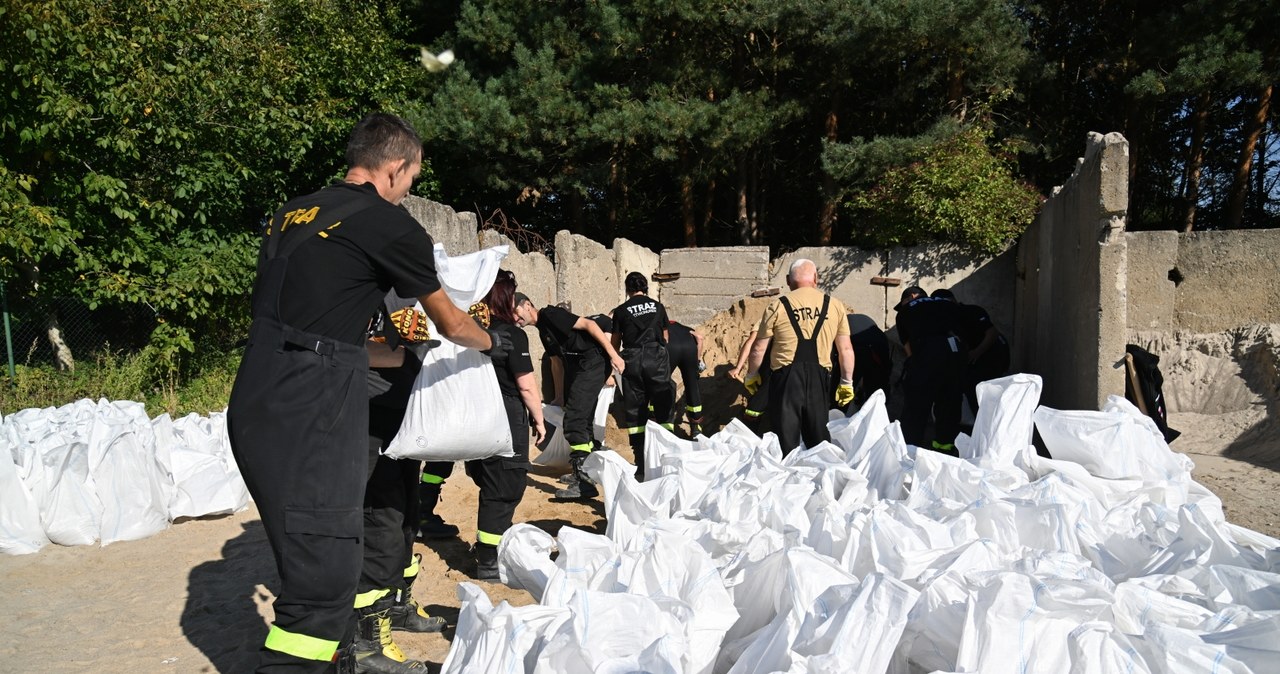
column 1195, row 160
column 615, row 193
column 1240, row 181
column 708, row 213
column 61, row 352
column 577, row 219
column 744, row 224
column 827, row 218
column 686, row 199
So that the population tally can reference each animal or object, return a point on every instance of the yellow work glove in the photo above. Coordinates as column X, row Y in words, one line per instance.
column 844, row 394
column 411, row 324
column 752, row 383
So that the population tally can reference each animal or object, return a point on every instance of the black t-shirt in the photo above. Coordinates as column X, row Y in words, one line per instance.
column 974, row 324
column 641, row 321
column 555, row 328
column 516, row 362
column 336, row 280
column 926, row 317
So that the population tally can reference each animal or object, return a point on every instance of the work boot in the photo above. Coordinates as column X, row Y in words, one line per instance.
column 486, row 562
column 430, row 526
column 567, row 478
column 637, row 450
column 373, row 650
column 583, row 488
column 407, row 615
column 695, row 425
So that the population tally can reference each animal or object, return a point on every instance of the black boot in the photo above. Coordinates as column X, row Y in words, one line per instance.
column 584, row 487
column 430, row 526
column 373, row 650
column 408, row 616
column 486, row 562
column 637, row 450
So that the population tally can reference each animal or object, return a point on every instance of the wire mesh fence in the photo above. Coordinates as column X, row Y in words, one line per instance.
column 40, row 326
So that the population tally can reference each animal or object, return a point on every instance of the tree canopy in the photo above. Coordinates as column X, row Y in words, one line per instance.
column 145, row 141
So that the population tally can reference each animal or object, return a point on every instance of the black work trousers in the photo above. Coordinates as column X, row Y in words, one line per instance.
column 584, row 375
column 390, row 509
column 933, row 382
column 501, row 479
column 646, row 382
column 684, row 357
column 797, row 404
column 297, row 421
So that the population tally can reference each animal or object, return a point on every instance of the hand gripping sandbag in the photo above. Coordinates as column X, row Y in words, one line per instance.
column 455, row 412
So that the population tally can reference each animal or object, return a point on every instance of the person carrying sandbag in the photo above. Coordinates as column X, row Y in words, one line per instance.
column 640, row 332
column 588, row 356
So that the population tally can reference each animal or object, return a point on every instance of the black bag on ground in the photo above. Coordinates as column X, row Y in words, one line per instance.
column 1144, row 387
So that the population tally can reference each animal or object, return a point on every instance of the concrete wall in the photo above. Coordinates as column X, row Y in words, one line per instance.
column 711, row 279
column 1203, row 282
column 846, row 274
column 457, row 231
column 586, row 275
column 629, row 257
column 1072, row 272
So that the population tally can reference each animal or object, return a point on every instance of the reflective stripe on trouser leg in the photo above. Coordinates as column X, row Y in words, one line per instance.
column 386, row 501
column 300, row 645
column 364, row 599
column 415, row 565
column 487, row 538
column 428, row 478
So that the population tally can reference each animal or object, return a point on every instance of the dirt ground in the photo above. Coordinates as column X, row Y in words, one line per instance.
column 197, row 597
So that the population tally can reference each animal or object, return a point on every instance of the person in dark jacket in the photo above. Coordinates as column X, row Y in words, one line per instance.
column 988, row 349
column 640, row 335
column 934, row 374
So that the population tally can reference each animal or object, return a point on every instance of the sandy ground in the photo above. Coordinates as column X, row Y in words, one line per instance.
column 197, row 597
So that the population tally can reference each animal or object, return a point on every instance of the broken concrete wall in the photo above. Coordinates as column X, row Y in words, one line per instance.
column 711, row 279
column 457, row 231
column 631, row 257
column 1071, row 302
column 586, row 275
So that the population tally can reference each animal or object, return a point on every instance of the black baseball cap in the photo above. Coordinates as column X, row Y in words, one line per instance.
column 944, row 294
column 907, row 295
column 521, row 298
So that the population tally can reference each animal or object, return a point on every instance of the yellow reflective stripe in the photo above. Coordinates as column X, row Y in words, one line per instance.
column 753, row 413
column 693, row 408
column 488, row 538
column 412, row 570
column 943, row 445
column 428, row 478
column 634, row 430
column 584, row 447
column 650, row 407
column 670, row 427
column 300, row 645
column 367, row 598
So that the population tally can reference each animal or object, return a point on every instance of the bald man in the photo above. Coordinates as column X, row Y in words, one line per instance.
column 802, row 327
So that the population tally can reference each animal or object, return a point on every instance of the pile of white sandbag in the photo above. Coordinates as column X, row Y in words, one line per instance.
column 868, row 555
column 103, row 471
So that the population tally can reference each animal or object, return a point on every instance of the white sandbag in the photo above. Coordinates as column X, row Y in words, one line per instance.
column 500, row 639
column 1003, row 428
column 524, row 558
column 206, row 477
column 455, row 412
column 600, row 417
column 856, row 434
column 555, row 452
column 129, row 480
column 886, row 465
column 855, row 629
column 20, row 530
column 71, row 512
column 1113, row 445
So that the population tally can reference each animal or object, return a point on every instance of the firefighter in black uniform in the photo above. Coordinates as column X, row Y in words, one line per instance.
column 501, row 479
column 933, row 377
column 684, row 352
column 988, row 349
column 640, row 333
column 588, row 356
column 298, row 413
column 802, row 326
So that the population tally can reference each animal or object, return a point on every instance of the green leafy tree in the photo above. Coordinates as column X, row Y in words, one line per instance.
column 957, row 190
column 144, row 142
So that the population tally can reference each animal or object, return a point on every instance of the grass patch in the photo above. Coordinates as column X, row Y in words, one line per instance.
column 202, row 385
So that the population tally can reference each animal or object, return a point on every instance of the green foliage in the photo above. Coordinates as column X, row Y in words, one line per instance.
column 956, row 190
column 119, row 376
column 145, row 141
